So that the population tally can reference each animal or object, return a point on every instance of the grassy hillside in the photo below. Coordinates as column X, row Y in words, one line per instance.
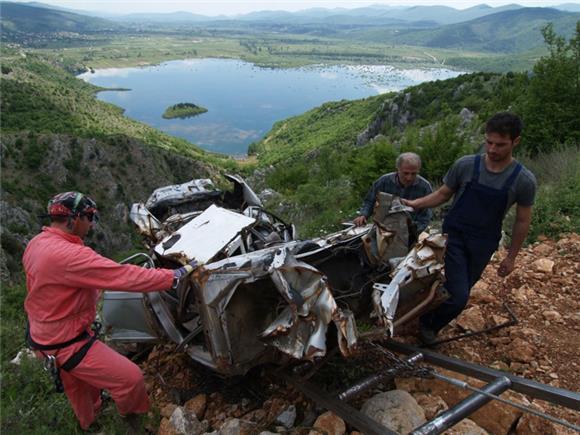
column 41, row 97
column 508, row 32
column 57, row 137
column 22, row 18
column 331, row 125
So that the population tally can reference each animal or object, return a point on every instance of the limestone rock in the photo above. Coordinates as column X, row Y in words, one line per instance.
column 197, row 405
column 480, row 293
column 471, row 319
column 395, row 409
column 185, row 422
column 543, row 249
column 466, row 427
column 531, row 424
column 168, row 410
column 523, row 294
column 543, row 265
column 552, row 315
column 432, row 405
column 495, row 417
column 235, row 426
column 521, row 351
column 287, row 417
column 166, row 428
column 329, row 423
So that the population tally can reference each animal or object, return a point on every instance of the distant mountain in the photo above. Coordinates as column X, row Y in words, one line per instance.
column 26, row 19
column 172, row 17
column 508, row 32
column 570, row 7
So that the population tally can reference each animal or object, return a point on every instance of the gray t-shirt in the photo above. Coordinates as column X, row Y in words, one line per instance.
column 522, row 191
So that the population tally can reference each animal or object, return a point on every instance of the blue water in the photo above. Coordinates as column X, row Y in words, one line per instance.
column 243, row 100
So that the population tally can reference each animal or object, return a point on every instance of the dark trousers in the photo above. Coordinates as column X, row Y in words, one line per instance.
column 465, row 259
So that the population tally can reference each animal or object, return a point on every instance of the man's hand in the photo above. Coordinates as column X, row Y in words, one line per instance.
column 409, row 202
column 360, row 221
column 183, row 271
column 506, row 267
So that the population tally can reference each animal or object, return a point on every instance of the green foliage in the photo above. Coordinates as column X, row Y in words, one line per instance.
column 331, row 125
column 557, row 209
column 553, row 103
column 440, row 147
column 183, row 110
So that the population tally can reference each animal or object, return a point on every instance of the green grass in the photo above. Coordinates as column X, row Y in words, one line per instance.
column 273, row 50
column 28, row 402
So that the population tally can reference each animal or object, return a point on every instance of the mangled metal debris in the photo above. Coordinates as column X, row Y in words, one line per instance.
column 260, row 294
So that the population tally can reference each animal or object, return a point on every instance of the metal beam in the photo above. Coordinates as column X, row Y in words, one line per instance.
column 531, row 388
column 374, row 379
column 463, row 409
column 351, row 415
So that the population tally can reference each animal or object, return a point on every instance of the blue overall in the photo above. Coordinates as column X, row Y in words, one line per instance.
column 474, row 229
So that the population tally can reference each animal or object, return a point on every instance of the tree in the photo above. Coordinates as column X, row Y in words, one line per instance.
column 553, row 103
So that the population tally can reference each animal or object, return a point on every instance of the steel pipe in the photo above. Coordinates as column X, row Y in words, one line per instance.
column 558, row 396
column 463, row 409
column 371, row 381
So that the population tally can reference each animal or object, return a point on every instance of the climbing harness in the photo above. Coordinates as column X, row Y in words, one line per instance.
column 50, row 363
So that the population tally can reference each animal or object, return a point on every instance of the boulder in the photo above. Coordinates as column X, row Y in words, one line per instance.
column 197, row 405
column 396, row 409
column 471, row 319
column 330, row 424
column 543, row 265
column 495, row 417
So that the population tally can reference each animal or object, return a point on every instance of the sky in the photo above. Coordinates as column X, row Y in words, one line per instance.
column 233, row 7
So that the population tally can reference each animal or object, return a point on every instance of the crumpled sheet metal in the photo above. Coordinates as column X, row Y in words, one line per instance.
column 424, row 262
column 147, row 224
column 300, row 329
column 390, row 234
column 181, row 192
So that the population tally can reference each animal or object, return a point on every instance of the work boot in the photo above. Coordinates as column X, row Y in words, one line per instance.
column 427, row 335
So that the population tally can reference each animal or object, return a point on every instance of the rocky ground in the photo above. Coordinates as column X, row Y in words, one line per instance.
column 543, row 346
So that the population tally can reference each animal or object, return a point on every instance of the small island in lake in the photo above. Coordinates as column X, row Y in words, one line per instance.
column 183, row 110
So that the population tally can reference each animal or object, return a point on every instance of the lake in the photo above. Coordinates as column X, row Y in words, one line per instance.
column 243, row 100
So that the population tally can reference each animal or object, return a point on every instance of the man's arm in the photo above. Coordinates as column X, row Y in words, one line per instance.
column 519, row 234
column 438, row 197
column 368, row 204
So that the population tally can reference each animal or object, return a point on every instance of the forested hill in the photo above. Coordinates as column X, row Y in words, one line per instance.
column 57, row 137
column 23, row 18
column 319, row 165
column 508, row 31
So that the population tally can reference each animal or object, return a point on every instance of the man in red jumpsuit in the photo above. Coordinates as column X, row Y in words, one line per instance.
column 64, row 278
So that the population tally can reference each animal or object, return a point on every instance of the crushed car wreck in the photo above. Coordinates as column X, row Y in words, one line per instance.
column 260, row 294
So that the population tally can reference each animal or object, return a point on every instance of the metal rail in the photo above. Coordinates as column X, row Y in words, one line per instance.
column 463, row 409
column 555, row 395
column 351, row 415
column 369, row 382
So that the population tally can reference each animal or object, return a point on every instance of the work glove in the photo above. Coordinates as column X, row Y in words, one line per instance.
column 182, row 272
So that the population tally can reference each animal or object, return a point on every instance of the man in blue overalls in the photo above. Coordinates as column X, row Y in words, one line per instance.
column 484, row 187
